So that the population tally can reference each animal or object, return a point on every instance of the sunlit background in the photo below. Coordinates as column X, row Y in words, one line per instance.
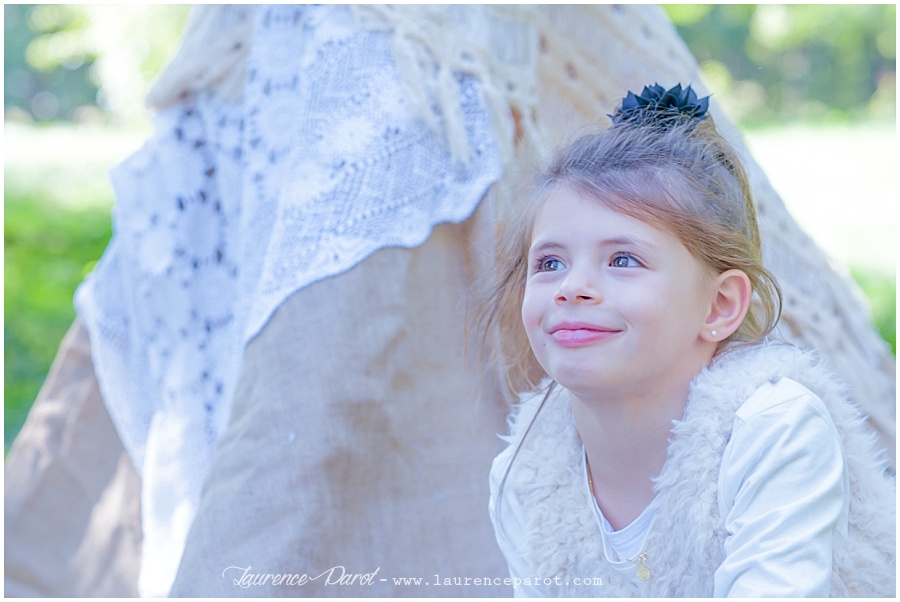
column 812, row 86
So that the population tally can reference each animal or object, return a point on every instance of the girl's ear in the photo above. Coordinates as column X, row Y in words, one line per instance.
column 731, row 303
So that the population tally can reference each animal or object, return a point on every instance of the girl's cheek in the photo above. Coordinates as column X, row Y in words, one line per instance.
column 531, row 313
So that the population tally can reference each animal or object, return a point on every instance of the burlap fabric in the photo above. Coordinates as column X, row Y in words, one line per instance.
column 72, row 497
column 357, row 439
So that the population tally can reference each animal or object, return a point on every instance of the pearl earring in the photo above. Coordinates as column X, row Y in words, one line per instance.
column 713, row 334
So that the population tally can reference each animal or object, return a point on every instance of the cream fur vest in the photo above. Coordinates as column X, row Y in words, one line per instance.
column 687, row 536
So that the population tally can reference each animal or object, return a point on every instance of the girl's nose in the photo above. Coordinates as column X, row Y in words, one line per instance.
column 578, row 288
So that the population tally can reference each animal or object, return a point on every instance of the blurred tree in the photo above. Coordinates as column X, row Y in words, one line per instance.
column 85, row 62
column 36, row 86
column 767, row 61
column 795, row 62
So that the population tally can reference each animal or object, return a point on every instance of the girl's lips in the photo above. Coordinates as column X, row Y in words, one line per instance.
column 576, row 335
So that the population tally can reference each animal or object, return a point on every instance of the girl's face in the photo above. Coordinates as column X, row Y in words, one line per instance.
column 613, row 307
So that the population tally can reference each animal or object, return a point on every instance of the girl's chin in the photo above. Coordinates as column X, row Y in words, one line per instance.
column 589, row 374
column 582, row 382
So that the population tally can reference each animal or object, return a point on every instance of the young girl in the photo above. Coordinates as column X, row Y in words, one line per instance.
column 672, row 450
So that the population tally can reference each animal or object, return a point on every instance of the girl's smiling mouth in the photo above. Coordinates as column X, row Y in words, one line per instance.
column 576, row 334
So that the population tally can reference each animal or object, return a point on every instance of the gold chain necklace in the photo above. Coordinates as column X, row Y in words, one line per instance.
column 643, row 572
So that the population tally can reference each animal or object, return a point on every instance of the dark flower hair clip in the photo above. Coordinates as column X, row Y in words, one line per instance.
column 661, row 107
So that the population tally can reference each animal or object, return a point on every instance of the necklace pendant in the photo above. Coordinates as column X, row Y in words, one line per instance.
column 643, row 573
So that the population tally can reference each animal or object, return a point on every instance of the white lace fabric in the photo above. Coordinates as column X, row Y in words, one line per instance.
column 234, row 204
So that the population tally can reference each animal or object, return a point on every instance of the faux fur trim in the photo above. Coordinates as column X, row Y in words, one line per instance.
column 687, row 537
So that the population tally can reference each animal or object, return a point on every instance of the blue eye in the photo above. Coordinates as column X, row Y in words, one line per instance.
column 549, row 264
column 624, row 261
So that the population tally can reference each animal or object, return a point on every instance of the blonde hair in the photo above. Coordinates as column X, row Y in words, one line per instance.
column 681, row 176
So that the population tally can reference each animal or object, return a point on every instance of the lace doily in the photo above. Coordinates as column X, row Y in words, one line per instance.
column 236, row 203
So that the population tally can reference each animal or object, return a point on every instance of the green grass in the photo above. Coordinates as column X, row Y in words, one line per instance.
column 881, row 290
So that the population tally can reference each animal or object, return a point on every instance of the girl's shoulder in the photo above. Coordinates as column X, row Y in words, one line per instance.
column 791, row 388
column 782, row 420
column 775, row 398
column 766, row 362
column 762, row 376
column 744, row 378
column 775, row 385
